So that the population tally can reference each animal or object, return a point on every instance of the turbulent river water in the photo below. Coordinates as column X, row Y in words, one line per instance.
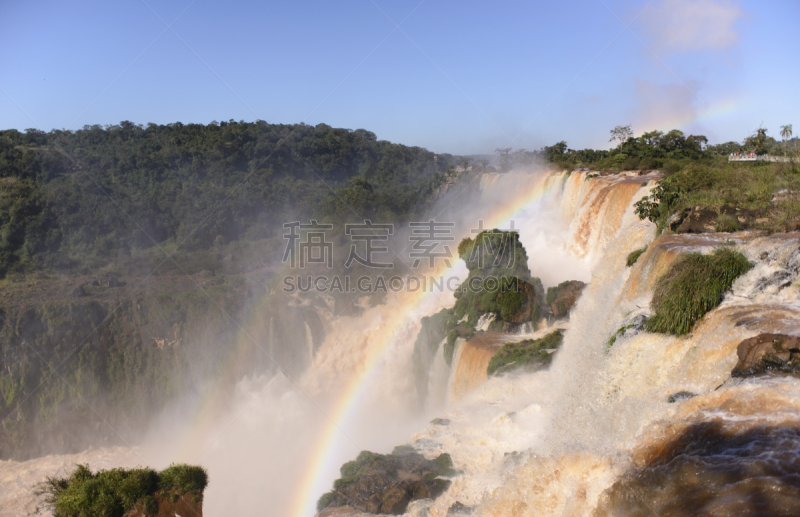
column 595, row 434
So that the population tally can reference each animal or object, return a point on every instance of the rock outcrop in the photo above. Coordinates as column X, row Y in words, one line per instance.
column 561, row 298
column 699, row 219
column 169, row 505
column 386, row 483
column 768, row 353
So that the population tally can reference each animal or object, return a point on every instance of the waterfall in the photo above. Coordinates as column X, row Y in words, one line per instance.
column 310, row 344
column 527, row 444
column 484, row 321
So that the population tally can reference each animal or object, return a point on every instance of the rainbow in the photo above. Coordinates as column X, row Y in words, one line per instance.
column 344, row 407
column 709, row 114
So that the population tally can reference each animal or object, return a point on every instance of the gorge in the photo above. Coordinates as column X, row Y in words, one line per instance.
column 641, row 424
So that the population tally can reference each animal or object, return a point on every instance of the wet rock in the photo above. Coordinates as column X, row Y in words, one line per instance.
column 681, row 395
column 341, row 511
column 709, row 470
column 629, row 328
column 512, row 459
column 563, row 297
column 386, row 484
column 419, row 508
column 792, row 262
column 699, row 220
column 764, row 255
column 77, row 292
column 169, row 505
column 768, row 353
column 440, row 421
column 779, row 279
column 458, row 509
column 676, row 219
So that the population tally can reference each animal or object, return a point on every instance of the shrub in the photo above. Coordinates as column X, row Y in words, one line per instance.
column 693, row 286
column 183, row 478
column 633, row 256
column 111, row 493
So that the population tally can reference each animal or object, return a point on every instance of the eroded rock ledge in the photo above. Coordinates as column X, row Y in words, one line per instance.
column 386, row 483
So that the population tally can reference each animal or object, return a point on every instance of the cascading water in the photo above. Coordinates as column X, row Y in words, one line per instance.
column 544, row 443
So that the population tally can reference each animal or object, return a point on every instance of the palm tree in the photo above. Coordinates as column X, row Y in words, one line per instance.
column 786, row 133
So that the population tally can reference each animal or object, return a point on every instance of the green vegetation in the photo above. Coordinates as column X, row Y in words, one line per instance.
column 618, row 333
column 552, row 292
column 499, row 280
column 72, row 198
column 634, row 255
column 529, row 355
column 693, row 286
column 742, row 185
column 728, row 223
column 111, row 493
column 371, row 472
column 653, row 150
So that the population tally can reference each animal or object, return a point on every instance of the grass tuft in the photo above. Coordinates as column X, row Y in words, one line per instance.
column 619, row 332
column 727, row 223
column 633, row 256
column 530, row 355
column 693, row 286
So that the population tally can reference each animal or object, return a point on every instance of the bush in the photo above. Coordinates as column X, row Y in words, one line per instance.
column 111, row 493
column 693, row 286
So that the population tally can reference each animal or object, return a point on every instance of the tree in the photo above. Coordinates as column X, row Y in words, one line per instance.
column 621, row 134
column 464, row 162
column 759, row 141
column 555, row 151
column 502, row 152
column 786, row 133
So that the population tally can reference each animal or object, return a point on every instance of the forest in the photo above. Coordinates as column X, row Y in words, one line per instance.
column 88, row 196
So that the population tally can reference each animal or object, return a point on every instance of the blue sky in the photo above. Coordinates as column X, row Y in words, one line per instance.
column 460, row 77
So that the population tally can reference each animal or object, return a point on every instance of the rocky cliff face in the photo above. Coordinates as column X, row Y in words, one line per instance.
column 386, row 484
column 561, row 298
column 79, row 372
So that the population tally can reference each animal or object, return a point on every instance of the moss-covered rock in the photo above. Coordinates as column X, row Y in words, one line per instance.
column 530, row 355
column 499, row 280
column 129, row 492
column 563, row 297
column 387, row 483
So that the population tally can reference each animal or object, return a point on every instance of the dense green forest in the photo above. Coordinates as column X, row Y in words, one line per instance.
column 68, row 197
column 670, row 151
column 87, row 198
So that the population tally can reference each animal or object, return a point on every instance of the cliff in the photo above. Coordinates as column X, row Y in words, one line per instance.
column 95, row 369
